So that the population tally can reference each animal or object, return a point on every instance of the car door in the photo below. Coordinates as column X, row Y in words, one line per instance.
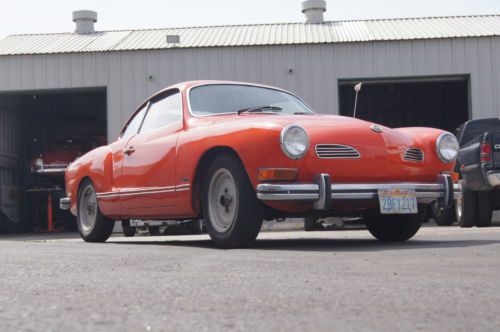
column 110, row 202
column 149, row 159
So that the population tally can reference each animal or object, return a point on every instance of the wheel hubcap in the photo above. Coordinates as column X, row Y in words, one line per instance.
column 88, row 209
column 222, row 200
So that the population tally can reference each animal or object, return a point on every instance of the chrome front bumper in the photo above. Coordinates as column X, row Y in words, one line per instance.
column 64, row 203
column 323, row 192
column 51, row 171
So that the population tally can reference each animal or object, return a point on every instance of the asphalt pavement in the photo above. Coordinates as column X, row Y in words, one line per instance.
column 445, row 279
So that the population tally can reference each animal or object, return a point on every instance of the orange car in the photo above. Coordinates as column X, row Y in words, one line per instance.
column 237, row 153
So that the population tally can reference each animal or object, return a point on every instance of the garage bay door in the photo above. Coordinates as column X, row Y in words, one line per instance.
column 438, row 102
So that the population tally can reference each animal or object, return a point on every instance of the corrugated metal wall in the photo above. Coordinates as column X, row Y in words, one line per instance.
column 10, row 144
column 315, row 70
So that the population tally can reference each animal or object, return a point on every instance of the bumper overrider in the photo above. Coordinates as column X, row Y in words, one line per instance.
column 322, row 192
column 64, row 203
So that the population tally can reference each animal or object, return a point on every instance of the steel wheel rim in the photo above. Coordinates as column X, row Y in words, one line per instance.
column 88, row 209
column 222, row 200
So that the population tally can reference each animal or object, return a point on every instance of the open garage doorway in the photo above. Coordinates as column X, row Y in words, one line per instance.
column 440, row 102
column 54, row 128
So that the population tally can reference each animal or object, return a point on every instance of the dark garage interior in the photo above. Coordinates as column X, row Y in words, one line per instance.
column 54, row 128
column 441, row 102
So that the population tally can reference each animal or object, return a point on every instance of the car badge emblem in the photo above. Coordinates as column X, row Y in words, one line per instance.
column 376, row 128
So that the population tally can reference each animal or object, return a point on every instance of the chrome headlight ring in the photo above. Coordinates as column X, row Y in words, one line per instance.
column 294, row 141
column 447, row 147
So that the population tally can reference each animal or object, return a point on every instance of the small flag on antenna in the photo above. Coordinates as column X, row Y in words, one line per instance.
column 357, row 87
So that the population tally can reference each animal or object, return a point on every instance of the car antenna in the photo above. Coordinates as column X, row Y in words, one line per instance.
column 357, row 88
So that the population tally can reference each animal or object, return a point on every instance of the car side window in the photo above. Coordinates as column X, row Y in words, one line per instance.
column 135, row 123
column 163, row 112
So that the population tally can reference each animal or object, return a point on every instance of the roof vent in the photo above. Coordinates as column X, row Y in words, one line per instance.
column 173, row 39
column 314, row 9
column 84, row 21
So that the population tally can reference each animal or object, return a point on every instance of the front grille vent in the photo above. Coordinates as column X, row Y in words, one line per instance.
column 336, row 151
column 414, row 154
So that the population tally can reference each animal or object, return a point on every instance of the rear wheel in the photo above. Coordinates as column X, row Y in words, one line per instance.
column 233, row 215
column 445, row 217
column 484, row 208
column 466, row 206
column 128, row 231
column 309, row 224
column 394, row 228
column 197, row 226
column 154, row 230
column 93, row 226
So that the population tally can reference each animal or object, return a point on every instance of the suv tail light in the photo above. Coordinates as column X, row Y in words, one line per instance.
column 485, row 152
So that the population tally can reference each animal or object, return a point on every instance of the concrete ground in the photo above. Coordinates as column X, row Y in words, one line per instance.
column 445, row 279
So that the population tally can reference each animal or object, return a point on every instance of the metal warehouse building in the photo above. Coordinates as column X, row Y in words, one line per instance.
column 416, row 72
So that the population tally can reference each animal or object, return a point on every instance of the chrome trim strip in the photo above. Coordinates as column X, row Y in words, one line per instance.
column 144, row 191
column 288, row 196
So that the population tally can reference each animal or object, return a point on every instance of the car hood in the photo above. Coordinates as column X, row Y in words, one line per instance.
column 381, row 149
column 59, row 156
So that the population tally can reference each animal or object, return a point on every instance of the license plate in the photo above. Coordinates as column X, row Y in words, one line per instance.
column 397, row 201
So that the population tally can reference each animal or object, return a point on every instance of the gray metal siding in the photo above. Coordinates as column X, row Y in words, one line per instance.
column 316, row 70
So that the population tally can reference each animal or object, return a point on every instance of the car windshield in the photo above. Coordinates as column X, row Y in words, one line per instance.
column 231, row 98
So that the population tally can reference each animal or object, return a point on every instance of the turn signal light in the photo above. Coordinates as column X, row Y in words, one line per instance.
column 277, row 174
column 485, row 152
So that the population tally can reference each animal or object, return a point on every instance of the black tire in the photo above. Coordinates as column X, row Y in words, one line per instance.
column 310, row 224
column 396, row 228
column 154, row 230
column 234, row 216
column 128, row 231
column 466, row 207
column 197, row 226
column 6, row 225
column 484, row 208
column 93, row 226
column 446, row 217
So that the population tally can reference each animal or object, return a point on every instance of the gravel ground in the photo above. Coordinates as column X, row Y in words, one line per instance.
column 446, row 278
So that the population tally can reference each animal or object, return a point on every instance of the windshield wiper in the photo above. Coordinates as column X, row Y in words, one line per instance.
column 260, row 109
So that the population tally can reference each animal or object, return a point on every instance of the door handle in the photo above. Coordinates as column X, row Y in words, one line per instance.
column 129, row 151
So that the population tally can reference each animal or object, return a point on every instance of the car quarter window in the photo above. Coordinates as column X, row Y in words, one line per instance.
column 163, row 112
column 134, row 124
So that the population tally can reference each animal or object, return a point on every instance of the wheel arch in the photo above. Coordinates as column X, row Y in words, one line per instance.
column 203, row 163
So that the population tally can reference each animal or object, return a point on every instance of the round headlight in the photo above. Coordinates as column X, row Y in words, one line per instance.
column 38, row 163
column 294, row 141
column 447, row 147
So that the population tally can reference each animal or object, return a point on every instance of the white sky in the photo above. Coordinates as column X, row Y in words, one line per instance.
column 38, row 16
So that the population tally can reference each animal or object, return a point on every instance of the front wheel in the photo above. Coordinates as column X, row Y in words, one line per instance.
column 128, row 231
column 233, row 215
column 93, row 226
column 395, row 228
